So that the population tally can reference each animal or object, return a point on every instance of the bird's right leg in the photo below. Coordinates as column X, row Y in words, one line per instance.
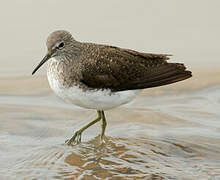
column 104, row 124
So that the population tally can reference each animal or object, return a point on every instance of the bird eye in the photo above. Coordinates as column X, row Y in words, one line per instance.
column 61, row 45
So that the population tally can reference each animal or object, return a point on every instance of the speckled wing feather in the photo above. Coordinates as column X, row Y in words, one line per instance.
column 123, row 69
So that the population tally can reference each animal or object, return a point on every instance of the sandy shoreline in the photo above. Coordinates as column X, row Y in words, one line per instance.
column 29, row 85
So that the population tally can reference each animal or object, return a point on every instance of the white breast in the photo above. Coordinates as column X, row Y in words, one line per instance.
column 91, row 99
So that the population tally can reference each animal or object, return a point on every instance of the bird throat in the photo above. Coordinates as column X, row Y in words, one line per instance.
column 64, row 71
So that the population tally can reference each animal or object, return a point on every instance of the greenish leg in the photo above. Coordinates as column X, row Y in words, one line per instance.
column 104, row 123
column 76, row 138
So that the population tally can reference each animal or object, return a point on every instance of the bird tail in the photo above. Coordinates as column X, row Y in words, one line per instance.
column 175, row 73
column 163, row 75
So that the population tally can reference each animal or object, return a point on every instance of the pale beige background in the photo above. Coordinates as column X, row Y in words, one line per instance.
column 169, row 132
column 188, row 29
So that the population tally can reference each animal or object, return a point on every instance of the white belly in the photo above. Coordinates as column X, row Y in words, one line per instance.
column 91, row 99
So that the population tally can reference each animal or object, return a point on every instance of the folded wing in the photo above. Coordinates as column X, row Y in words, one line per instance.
column 122, row 69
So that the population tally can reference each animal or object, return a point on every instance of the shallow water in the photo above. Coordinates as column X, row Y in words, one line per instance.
column 172, row 132
column 166, row 133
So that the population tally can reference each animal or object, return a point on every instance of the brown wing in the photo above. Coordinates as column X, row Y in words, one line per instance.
column 122, row 69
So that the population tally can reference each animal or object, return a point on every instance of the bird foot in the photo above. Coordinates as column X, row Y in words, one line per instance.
column 75, row 139
column 102, row 140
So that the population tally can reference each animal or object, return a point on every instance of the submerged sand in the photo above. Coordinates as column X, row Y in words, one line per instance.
column 168, row 132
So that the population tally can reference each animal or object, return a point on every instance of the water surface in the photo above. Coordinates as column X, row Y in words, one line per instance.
column 166, row 133
column 172, row 132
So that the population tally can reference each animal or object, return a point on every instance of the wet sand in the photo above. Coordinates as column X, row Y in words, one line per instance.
column 172, row 132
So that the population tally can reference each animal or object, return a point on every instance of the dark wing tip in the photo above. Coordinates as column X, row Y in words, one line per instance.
column 189, row 73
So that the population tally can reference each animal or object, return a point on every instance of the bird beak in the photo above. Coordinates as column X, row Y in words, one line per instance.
column 45, row 59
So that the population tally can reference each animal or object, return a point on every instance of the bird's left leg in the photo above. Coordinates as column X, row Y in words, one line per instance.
column 76, row 138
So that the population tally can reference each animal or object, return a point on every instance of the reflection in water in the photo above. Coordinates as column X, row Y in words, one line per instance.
column 164, row 137
column 119, row 157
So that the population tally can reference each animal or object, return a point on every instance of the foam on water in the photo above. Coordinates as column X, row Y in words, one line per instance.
column 160, row 136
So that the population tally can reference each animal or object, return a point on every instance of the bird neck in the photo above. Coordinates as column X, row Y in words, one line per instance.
column 66, row 71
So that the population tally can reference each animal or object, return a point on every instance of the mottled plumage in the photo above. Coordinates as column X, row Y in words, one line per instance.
column 102, row 77
column 122, row 69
